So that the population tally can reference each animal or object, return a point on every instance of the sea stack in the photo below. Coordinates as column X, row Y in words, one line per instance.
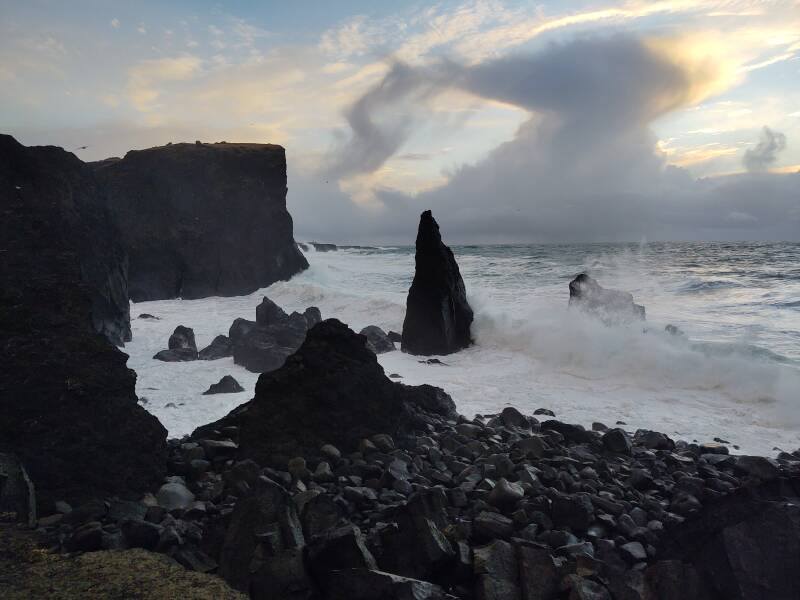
column 438, row 316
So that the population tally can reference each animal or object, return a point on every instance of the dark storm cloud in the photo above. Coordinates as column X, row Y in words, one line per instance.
column 766, row 152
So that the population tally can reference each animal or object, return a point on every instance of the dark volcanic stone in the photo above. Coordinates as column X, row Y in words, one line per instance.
column 332, row 390
column 742, row 546
column 267, row 518
column 177, row 355
column 182, row 337
column 337, row 549
column 616, row 440
column 611, row 306
column 202, row 219
column 438, row 316
column 68, row 407
column 226, row 385
column 64, row 207
column 220, row 347
column 377, row 340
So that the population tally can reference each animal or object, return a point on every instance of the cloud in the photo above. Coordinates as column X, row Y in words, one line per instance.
column 766, row 152
column 114, row 23
column 584, row 166
column 145, row 78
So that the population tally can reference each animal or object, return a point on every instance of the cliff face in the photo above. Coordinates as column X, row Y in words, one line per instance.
column 63, row 190
column 202, row 219
column 67, row 403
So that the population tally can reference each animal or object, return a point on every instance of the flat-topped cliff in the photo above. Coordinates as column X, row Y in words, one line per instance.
column 202, row 219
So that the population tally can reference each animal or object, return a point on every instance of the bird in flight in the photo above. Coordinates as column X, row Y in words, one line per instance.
column 82, row 147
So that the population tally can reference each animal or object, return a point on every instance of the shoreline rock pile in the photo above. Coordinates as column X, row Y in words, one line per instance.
column 504, row 507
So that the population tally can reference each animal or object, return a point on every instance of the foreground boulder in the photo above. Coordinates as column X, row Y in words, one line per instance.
column 438, row 316
column 611, row 306
column 744, row 546
column 263, row 345
column 68, row 407
column 202, row 220
column 332, row 390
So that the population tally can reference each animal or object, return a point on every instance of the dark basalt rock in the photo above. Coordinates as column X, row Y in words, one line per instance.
column 377, row 340
column 17, row 494
column 56, row 186
column 182, row 337
column 744, row 546
column 220, row 347
column 202, row 220
column 182, row 346
column 68, row 407
column 226, row 385
column 332, row 390
column 611, row 306
column 438, row 316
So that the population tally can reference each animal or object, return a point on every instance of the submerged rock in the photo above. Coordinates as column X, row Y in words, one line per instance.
column 611, row 306
column 331, row 391
column 438, row 316
column 226, row 385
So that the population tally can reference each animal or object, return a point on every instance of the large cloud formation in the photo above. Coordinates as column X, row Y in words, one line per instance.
column 585, row 165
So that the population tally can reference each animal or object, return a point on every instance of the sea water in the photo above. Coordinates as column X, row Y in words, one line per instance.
column 734, row 374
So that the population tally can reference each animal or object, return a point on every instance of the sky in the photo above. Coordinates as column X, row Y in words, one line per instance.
column 513, row 121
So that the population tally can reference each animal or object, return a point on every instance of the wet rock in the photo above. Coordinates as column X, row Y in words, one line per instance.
column 377, row 340
column 226, row 385
column 395, row 337
column 182, row 337
column 653, row 440
column 616, row 440
column 611, row 306
column 575, row 511
column 505, row 494
column 220, row 347
column 489, row 525
column 759, row 467
column 438, row 316
column 177, row 355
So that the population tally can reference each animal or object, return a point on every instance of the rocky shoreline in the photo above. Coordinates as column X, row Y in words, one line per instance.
column 506, row 506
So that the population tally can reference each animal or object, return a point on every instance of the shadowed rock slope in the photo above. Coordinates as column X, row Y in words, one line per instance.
column 67, row 402
column 332, row 390
column 202, row 219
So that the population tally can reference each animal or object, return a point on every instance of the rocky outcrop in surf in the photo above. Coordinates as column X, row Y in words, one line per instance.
column 263, row 345
column 202, row 220
column 68, row 407
column 438, row 316
column 611, row 306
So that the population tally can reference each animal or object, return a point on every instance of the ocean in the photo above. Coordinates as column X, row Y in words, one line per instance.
column 734, row 374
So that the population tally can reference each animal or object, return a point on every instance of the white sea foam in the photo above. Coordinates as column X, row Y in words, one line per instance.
column 531, row 351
